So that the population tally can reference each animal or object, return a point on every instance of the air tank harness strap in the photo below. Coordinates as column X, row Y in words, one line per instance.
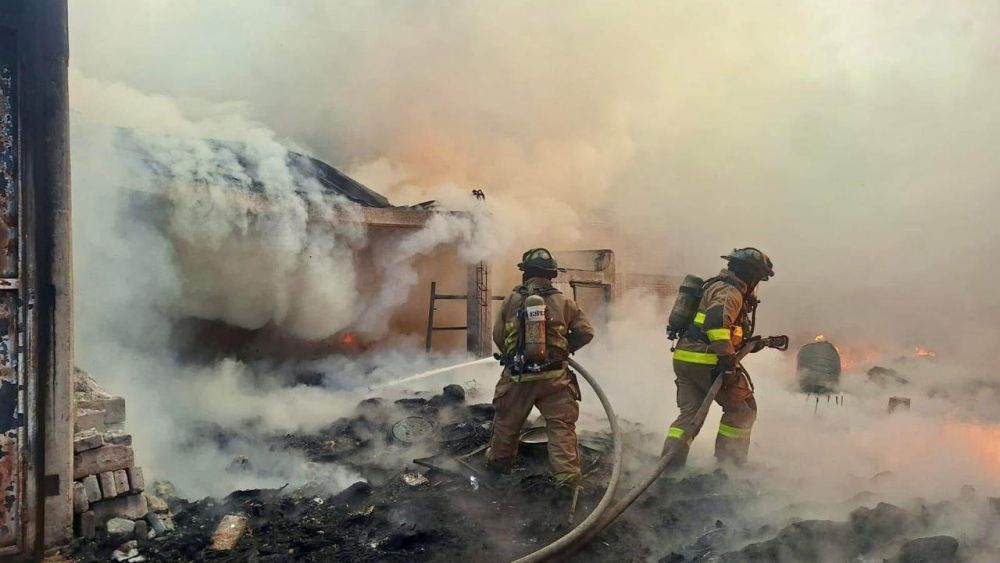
column 552, row 370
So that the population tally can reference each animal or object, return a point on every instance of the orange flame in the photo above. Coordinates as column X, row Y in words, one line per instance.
column 854, row 356
column 820, row 338
column 981, row 440
column 922, row 352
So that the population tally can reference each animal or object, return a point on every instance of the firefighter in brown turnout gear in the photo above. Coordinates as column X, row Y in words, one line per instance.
column 536, row 331
column 722, row 323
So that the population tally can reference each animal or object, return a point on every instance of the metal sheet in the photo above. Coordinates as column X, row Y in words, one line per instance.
column 11, row 411
column 9, row 246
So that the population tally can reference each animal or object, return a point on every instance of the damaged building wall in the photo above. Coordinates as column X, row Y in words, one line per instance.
column 36, row 318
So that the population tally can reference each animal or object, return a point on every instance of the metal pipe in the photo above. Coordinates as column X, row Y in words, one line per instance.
column 430, row 319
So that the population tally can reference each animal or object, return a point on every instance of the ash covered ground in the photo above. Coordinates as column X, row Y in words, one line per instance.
column 425, row 496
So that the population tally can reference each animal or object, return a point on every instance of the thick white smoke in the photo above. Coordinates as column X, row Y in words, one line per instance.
column 183, row 218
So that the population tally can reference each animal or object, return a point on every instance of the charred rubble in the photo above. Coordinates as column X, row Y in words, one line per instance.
column 426, row 496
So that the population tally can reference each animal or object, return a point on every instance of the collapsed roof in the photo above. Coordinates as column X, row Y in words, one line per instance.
column 235, row 164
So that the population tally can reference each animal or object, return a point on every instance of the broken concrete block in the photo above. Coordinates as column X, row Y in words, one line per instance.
column 80, row 502
column 141, row 530
column 126, row 551
column 87, row 419
column 899, row 403
column 937, row 549
column 120, row 527
column 132, row 507
column 85, row 387
column 121, row 481
column 108, row 487
column 86, row 525
column 87, row 440
column 118, row 438
column 808, row 540
column 99, row 460
column 92, row 487
column 112, row 407
column 156, row 504
column 135, row 479
column 228, row 532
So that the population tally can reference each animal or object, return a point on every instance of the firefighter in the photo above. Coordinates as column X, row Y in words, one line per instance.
column 535, row 372
column 723, row 322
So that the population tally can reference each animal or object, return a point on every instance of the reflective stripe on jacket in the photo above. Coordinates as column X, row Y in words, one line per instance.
column 717, row 329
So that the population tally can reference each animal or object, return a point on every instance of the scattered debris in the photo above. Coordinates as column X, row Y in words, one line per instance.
column 126, row 551
column 228, row 532
column 452, row 509
column 937, row 549
column 120, row 527
column 414, row 479
column 886, row 376
column 412, row 429
column 899, row 403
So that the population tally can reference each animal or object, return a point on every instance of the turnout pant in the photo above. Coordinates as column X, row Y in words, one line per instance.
column 739, row 411
column 556, row 399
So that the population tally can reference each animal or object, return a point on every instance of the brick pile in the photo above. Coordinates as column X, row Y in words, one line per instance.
column 108, row 488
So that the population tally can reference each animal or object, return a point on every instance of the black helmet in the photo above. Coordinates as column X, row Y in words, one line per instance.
column 753, row 258
column 538, row 259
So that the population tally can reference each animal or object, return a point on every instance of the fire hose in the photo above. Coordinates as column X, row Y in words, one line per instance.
column 593, row 522
column 605, row 513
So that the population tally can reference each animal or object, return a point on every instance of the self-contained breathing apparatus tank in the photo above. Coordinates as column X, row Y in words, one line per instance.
column 686, row 306
column 535, row 350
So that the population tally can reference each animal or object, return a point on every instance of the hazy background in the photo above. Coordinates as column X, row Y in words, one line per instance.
column 853, row 142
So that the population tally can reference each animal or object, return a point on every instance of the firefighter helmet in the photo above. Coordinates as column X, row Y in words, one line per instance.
column 538, row 259
column 753, row 258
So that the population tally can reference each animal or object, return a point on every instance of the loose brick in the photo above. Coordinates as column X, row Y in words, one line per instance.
column 87, row 419
column 93, row 488
column 118, row 437
column 228, row 532
column 112, row 407
column 121, row 481
column 87, row 440
column 132, row 507
column 136, row 480
column 108, row 488
column 99, row 460
column 80, row 502
column 156, row 504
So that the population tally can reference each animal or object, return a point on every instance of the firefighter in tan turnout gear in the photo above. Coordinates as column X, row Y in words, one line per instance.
column 722, row 323
column 536, row 331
